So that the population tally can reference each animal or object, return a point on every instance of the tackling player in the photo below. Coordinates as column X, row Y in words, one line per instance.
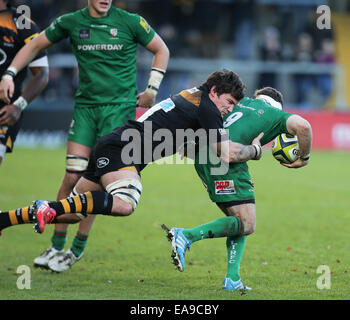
column 104, row 40
column 234, row 192
column 15, row 31
column 112, row 186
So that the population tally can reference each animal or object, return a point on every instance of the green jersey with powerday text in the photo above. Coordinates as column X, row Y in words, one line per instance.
column 248, row 119
column 105, row 49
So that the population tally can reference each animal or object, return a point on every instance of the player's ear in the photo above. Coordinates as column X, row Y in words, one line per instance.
column 212, row 91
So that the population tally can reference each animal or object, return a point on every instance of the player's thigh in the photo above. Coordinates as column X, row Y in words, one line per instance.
column 114, row 116
column 246, row 212
column 119, row 178
column 83, row 128
column 78, row 149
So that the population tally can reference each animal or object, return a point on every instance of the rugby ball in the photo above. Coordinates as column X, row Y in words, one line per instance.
column 285, row 148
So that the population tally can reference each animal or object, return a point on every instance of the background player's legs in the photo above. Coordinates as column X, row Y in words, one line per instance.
column 71, row 177
column 62, row 262
column 76, row 153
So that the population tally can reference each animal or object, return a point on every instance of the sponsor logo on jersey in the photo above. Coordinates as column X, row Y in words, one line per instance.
column 8, row 40
column 113, row 32
column 100, row 47
column 102, row 162
column 193, row 90
column 30, row 38
column 84, row 34
column 145, row 25
column 245, row 107
column 224, row 187
column 98, row 25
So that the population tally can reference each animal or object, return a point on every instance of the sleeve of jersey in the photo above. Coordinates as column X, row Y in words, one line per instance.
column 283, row 122
column 142, row 30
column 211, row 120
column 58, row 29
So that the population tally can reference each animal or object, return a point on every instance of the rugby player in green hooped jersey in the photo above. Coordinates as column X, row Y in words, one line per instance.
column 104, row 40
column 233, row 191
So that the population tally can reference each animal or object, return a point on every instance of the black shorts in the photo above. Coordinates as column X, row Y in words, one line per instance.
column 106, row 156
column 9, row 134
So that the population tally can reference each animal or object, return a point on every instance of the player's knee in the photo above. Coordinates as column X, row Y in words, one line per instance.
column 249, row 227
column 70, row 179
column 126, row 195
column 122, row 208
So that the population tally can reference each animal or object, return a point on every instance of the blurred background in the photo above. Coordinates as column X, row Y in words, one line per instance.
column 287, row 44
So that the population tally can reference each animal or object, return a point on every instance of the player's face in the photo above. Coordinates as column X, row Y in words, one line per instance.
column 99, row 8
column 225, row 102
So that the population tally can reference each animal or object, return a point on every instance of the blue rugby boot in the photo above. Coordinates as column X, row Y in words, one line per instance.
column 229, row 284
column 179, row 245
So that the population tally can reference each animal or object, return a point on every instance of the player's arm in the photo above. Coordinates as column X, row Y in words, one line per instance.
column 300, row 127
column 159, row 66
column 230, row 151
column 34, row 87
column 21, row 60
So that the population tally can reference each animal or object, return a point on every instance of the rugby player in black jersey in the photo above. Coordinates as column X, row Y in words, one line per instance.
column 112, row 184
column 15, row 31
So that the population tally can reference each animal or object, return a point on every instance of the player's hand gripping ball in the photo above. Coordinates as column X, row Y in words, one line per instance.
column 285, row 148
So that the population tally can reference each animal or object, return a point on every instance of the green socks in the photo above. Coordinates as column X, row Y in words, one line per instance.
column 230, row 227
column 235, row 247
column 59, row 239
column 79, row 243
column 222, row 227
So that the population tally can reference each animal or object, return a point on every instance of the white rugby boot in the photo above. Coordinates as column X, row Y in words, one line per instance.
column 63, row 262
column 43, row 260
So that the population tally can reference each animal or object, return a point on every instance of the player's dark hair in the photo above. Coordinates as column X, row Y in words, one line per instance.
column 9, row 3
column 271, row 92
column 226, row 81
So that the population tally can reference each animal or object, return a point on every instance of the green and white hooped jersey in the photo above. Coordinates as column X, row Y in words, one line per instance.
column 247, row 120
column 105, row 49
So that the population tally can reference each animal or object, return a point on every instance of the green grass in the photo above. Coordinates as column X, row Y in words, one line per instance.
column 302, row 222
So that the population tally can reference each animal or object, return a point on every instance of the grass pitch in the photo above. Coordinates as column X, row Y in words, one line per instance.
column 302, row 223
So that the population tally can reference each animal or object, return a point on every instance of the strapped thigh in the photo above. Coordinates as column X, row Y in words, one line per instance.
column 76, row 164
